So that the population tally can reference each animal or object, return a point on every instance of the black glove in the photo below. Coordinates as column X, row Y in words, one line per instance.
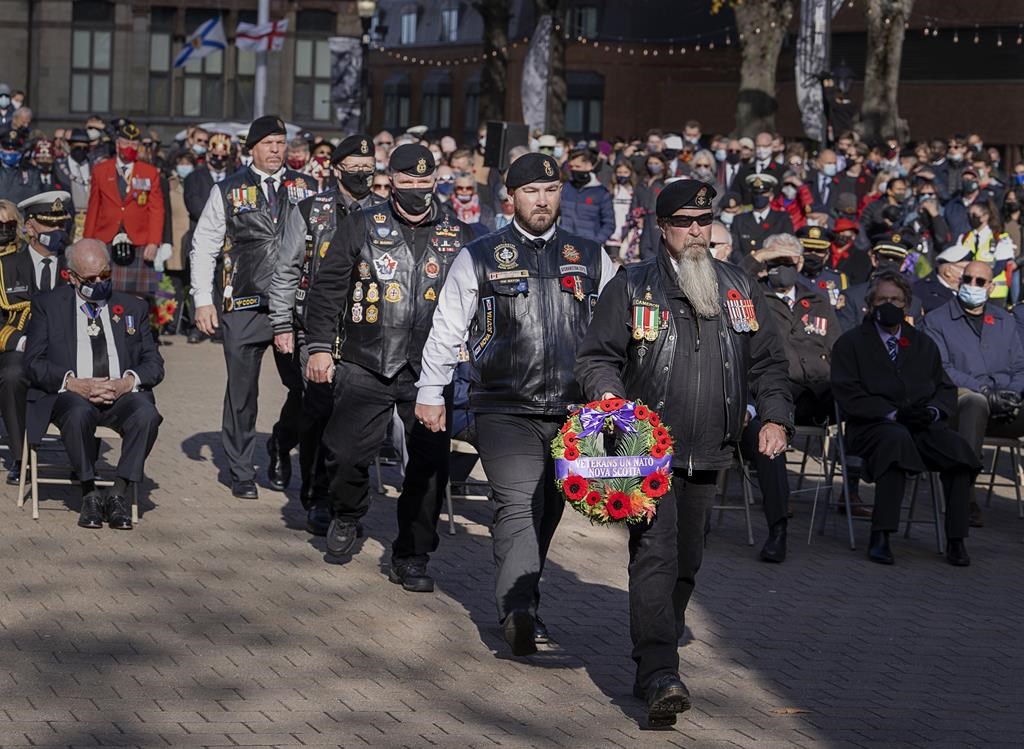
column 915, row 418
column 1007, row 405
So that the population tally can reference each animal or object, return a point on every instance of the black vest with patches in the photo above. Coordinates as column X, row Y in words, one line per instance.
column 534, row 308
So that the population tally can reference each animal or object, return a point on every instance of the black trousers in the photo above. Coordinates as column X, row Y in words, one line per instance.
column 133, row 416
column 246, row 337
column 13, row 393
column 516, row 455
column 771, row 474
column 813, row 404
column 664, row 557
column 355, row 432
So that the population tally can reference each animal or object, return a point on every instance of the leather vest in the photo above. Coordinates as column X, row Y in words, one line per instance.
column 534, row 308
column 647, row 376
column 392, row 296
column 251, row 235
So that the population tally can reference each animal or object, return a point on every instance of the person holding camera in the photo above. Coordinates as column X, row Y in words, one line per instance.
column 983, row 358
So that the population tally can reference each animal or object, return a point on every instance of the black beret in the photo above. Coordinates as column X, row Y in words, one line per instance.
column 78, row 135
column 684, row 193
column 815, row 237
column 128, row 130
column 359, row 144
column 532, row 167
column 268, row 124
column 413, row 159
column 11, row 141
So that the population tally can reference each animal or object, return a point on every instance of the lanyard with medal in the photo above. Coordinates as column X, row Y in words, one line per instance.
column 92, row 328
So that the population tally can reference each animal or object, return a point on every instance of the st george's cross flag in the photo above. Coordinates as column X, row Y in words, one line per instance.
column 267, row 37
column 205, row 40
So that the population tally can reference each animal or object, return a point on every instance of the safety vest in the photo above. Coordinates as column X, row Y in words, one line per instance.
column 984, row 251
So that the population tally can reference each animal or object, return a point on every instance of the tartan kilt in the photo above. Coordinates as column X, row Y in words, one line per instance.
column 139, row 278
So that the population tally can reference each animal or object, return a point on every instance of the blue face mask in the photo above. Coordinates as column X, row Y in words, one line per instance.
column 971, row 296
column 54, row 241
column 1019, row 179
column 445, row 188
column 198, row 149
column 184, row 170
column 10, row 158
column 97, row 292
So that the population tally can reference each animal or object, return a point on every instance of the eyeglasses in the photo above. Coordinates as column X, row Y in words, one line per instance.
column 684, row 222
column 363, row 172
column 974, row 280
column 464, row 189
column 102, row 276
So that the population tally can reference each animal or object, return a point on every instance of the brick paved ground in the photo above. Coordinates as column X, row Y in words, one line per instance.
column 217, row 623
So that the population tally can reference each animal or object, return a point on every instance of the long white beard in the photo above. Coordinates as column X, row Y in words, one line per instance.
column 698, row 281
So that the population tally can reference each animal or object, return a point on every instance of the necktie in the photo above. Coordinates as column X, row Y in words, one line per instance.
column 271, row 197
column 538, row 243
column 45, row 282
column 100, row 362
column 892, row 345
column 823, row 190
column 790, row 301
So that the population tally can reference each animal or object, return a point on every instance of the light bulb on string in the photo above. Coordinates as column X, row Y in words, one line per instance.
column 999, row 39
column 956, row 38
column 977, row 36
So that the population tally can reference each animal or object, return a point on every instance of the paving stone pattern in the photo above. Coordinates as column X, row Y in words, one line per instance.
column 217, row 622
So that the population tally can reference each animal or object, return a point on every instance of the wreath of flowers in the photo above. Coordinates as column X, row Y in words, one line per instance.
column 625, row 486
column 164, row 304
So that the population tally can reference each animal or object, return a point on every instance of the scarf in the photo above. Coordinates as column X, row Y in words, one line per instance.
column 467, row 213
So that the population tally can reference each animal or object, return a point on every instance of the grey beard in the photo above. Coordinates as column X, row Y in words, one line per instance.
column 698, row 281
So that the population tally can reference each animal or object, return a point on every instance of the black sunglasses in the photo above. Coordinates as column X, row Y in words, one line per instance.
column 974, row 280
column 684, row 222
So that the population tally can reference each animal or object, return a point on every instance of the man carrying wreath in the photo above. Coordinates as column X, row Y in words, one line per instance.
column 691, row 337
column 521, row 298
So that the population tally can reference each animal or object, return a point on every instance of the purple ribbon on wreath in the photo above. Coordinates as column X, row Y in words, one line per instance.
column 592, row 419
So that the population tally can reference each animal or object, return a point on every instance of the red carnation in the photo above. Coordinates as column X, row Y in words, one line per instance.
column 654, row 420
column 575, row 488
column 656, row 484
column 617, row 505
column 659, row 450
column 805, row 304
column 990, row 320
column 569, row 439
column 117, row 309
column 571, row 452
column 568, row 283
column 593, row 498
column 612, row 404
column 904, row 341
column 641, row 412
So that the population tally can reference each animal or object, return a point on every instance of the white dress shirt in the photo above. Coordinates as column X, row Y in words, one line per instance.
column 208, row 239
column 456, row 307
column 40, row 267
column 83, row 347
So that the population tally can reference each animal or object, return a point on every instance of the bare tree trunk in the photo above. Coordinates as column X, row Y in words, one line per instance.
column 879, row 111
column 557, row 89
column 762, row 24
column 494, row 77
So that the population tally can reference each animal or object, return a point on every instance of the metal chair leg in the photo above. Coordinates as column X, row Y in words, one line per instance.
column 992, row 474
column 748, row 500
column 724, row 483
column 135, row 503
column 34, row 453
column 24, row 469
column 451, row 508
column 910, row 509
column 380, row 480
column 1017, row 471
column 937, row 512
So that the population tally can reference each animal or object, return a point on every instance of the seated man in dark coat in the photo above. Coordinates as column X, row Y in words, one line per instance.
column 888, row 380
column 92, row 361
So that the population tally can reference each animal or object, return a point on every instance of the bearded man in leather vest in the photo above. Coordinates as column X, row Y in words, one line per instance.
column 524, row 296
column 306, row 238
column 717, row 345
column 368, row 315
column 244, row 220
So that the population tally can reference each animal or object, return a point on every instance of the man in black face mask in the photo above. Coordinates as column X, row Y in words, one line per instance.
column 78, row 168
column 897, row 401
column 586, row 204
column 34, row 268
column 308, row 233
column 750, row 230
column 816, row 272
column 888, row 253
column 375, row 292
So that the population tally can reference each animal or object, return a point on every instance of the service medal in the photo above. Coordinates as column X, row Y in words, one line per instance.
column 373, row 294
column 92, row 329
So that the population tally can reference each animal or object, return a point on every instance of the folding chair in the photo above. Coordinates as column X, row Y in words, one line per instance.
column 1013, row 445
column 826, row 434
column 839, row 441
column 722, row 491
column 30, row 469
column 937, row 504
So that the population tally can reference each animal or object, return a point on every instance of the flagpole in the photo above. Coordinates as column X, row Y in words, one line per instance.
column 260, row 83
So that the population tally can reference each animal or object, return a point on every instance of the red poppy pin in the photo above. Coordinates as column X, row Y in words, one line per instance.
column 589, row 201
column 904, row 341
column 568, row 283
column 990, row 320
column 805, row 304
column 822, row 284
column 733, row 294
column 64, row 274
column 117, row 309
column 766, row 225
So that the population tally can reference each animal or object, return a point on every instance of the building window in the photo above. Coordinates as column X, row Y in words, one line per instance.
column 91, row 55
column 313, row 65
column 203, row 87
column 449, row 24
column 408, row 27
column 436, row 112
column 161, row 49
column 583, row 21
column 396, row 102
column 245, row 74
column 584, row 105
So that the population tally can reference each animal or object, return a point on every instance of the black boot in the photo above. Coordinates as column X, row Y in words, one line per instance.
column 318, row 519
column 666, row 697
column 412, row 575
column 774, row 549
column 879, row 550
column 956, row 553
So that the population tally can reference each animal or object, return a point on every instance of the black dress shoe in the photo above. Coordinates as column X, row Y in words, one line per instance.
column 14, row 475
column 411, row 575
column 119, row 514
column 341, row 536
column 279, row 465
column 540, row 632
column 318, row 519
column 667, row 696
column 878, row 550
column 196, row 336
column 774, row 549
column 91, row 515
column 244, row 489
column 956, row 553
column 518, row 632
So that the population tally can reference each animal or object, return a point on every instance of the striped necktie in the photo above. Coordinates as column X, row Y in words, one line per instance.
column 892, row 346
